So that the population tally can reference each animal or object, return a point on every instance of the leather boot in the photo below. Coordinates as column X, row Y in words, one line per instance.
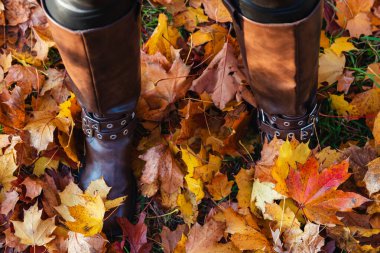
column 104, row 65
column 282, row 64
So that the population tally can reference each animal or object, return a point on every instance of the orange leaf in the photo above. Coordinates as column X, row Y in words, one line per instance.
column 317, row 194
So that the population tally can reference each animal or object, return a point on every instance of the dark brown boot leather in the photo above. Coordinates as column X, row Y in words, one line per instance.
column 282, row 62
column 104, row 65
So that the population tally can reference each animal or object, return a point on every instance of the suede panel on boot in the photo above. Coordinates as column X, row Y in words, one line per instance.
column 102, row 63
column 282, row 61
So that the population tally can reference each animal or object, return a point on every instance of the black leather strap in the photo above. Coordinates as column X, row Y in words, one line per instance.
column 301, row 128
column 108, row 129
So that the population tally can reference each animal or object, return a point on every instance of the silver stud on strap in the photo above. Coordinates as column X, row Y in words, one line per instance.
column 123, row 122
column 125, row 132
column 286, row 123
column 109, row 126
column 99, row 136
column 300, row 123
column 113, row 137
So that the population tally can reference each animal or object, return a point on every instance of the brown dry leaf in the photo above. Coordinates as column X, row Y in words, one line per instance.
column 27, row 78
column 353, row 15
column 86, row 244
column 18, row 11
column 244, row 237
column 376, row 132
column 244, row 181
column 345, row 81
column 163, row 39
column 368, row 102
column 221, row 79
column 373, row 72
column 220, row 187
column 8, row 165
column 216, row 10
column 44, row 41
column 34, row 231
column 5, row 61
column 207, row 172
column 307, row 242
column 205, row 239
column 8, row 201
column 331, row 66
column 54, row 85
column 162, row 84
column 160, row 171
column 33, row 187
column 11, row 240
column 12, row 110
column 372, row 177
column 190, row 18
column 170, row 239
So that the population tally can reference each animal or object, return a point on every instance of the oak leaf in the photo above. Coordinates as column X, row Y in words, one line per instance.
column 222, row 78
column 34, row 231
column 316, row 193
column 220, row 187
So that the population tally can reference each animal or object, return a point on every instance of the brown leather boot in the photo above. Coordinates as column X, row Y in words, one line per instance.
column 282, row 62
column 104, row 65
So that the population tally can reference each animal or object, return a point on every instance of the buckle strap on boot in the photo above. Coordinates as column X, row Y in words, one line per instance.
column 301, row 128
column 108, row 129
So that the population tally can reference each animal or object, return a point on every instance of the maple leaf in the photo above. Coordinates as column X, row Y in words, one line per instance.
column 44, row 41
column 345, row 81
column 5, row 61
column 220, row 187
column 170, row 239
column 283, row 217
column 135, row 234
column 18, row 11
column 190, row 18
column 195, row 185
column 331, row 66
column 54, row 85
column 85, row 244
column 376, row 131
column 27, row 78
column 216, row 10
column 263, row 193
column 33, row 187
column 309, row 241
column 160, row 88
column 34, row 231
column 163, row 38
column 84, row 212
column 244, row 181
column 12, row 109
column 372, row 177
column 244, row 236
column 316, row 193
column 205, row 239
column 342, row 45
column 353, row 15
column 187, row 204
column 341, row 106
column 221, row 79
column 8, row 164
column 373, row 72
column 8, row 201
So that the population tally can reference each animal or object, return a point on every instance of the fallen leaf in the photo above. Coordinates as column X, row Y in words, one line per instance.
column 170, row 239
column 220, row 187
column 216, row 10
column 345, row 81
column 187, row 205
column 34, row 231
column 309, row 241
column 263, row 193
column 316, row 193
column 342, row 45
column 372, row 177
column 85, row 244
column 331, row 66
column 190, row 18
column 373, row 72
column 221, row 79
column 33, row 187
column 244, row 181
column 8, row 201
column 342, row 107
column 135, row 234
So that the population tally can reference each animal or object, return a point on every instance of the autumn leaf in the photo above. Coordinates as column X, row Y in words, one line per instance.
column 34, row 231
column 373, row 72
column 372, row 177
column 220, row 187
column 171, row 239
column 309, row 241
column 163, row 39
column 135, row 234
column 216, row 10
column 8, row 201
column 263, row 193
column 316, row 193
column 187, row 205
column 205, row 239
column 331, row 66
column 190, row 18
column 244, row 237
column 345, row 81
column 341, row 106
column 244, row 181
column 160, row 171
column 85, row 244
column 33, row 187
column 162, row 84
column 221, row 79
column 342, row 45
column 8, row 164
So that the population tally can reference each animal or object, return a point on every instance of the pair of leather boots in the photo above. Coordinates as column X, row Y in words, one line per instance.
column 104, row 65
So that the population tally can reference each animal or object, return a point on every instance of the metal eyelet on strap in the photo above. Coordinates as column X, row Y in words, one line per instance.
column 125, row 132
column 113, row 137
column 109, row 126
column 99, row 136
column 123, row 122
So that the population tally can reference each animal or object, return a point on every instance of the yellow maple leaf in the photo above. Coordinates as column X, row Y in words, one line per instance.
column 341, row 106
column 290, row 154
column 244, row 181
column 342, row 45
column 8, row 159
column 190, row 18
column 376, row 132
column 187, row 205
column 264, row 193
column 163, row 38
column 34, row 231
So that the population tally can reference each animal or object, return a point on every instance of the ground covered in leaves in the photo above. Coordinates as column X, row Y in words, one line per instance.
column 206, row 183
